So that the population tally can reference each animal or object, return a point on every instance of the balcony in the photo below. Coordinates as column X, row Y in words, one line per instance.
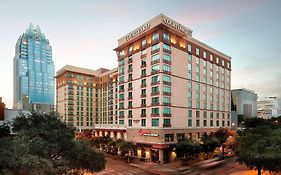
column 120, row 65
column 154, row 72
column 121, row 116
column 121, row 107
column 166, row 125
column 154, row 93
column 143, row 66
column 155, row 61
column 130, row 107
column 167, row 93
column 143, row 95
column 155, row 104
column 121, row 73
column 130, row 116
column 121, row 99
column 167, row 72
column 167, row 41
column 143, row 85
column 130, row 61
column 167, row 83
column 143, row 105
column 130, row 79
column 155, row 51
column 155, row 41
column 143, row 55
column 167, row 51
column 130, row 70
column 167, row 62
column 167, row 104
column 130, row 88
column 166, row 115
column 143, row 115
column 130, row 98
column 121, row 90
column 154, row 115
column 143, row 75
column 155, row 83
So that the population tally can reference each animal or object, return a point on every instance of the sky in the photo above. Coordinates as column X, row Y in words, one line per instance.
column 84, row 33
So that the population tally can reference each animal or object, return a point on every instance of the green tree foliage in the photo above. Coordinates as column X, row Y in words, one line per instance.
column 126, row 147
column 187, row 149
column 222, row 134
column 260, row 148
column 45, row 145
column 4, row 131
column 209, row 143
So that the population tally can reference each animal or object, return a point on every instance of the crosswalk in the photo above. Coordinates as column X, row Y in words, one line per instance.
column 115, row 172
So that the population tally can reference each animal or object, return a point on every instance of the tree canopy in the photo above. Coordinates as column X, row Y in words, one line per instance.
column 42, row 144
column 259, row 148
column 187, row 149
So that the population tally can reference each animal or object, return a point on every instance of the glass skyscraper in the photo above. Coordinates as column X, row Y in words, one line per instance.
column 33, row 72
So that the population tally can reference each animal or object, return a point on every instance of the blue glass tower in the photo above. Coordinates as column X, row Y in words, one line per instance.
column 33, row 72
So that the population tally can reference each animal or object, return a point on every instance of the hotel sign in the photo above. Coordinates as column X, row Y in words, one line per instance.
column 175, row 25
column 138, row 31
column 146, row 132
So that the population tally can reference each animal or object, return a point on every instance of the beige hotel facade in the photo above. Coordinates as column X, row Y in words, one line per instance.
column 167, row 86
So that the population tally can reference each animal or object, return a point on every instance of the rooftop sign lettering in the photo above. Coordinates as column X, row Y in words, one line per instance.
column 175, row 25
column 138, row 31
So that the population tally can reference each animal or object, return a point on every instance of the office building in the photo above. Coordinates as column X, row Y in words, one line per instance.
column 86, row 97
column 269, row 107
column 33, row 72
column 170, row 86
column 245, row 102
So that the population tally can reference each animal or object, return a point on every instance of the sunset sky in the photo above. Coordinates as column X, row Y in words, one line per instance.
column 84, row 33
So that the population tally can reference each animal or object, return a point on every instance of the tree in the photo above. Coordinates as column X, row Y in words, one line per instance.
column 126, row 148
column 4, row 131
column 222, row 134
column 187, row 149
column 209, row 143
column 259, row 148
column 45, row 145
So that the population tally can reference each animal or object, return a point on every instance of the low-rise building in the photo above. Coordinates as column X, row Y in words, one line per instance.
column 269, row 107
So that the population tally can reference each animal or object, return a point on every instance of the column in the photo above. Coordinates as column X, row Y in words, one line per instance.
column 161, row 156
column 112, row 134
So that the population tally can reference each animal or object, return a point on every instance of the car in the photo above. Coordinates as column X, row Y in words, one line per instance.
column 229, row 154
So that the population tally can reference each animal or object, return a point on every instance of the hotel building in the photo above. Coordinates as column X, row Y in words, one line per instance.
column 86, row 96
column 171, row 86
column 167, row 86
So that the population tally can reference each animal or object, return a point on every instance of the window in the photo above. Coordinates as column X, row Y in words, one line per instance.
column 189, row 67
column 167, row 111
column 143, row 42
column 143, row 111
column 189, row 104
column 155, row 68
column 155, row 36
column 189, row 47
column 155, row 57
column 155, row 100
column 189, row 113
column 143, row 52
column 167, row 47
column 167, row 122
column 197, row 69
column 167, row 79
column 204, row 54
column 155, row 79
column 211, row 115
column 143, row 62
column 197, row 123
column 121, row 79
column 167, row 68
column 166, row 100
column 197, row 60
column 189, row 57
column 166, row 89
column 155, row 89
column 222, row 63
column 166, row 36
column 167, row 57
column 121, row 70
column 169, row 137
column 143, row 122
column 197, row 114
column 155, row 122
column 189, row 85
column 197, row 87
column 143, row 92
column 204, row 123
column 155, row 47
column 197, row 51
column 143, row 102
column 180, row 136
column 155, row 111
column 189, row 75
column 130, row 77
column 217, row 123
column 130, row 85
column 143, row 82
column 121, row 96
column 228, row 65
column 121, row 122
column 211, row 123
column 190, row 122
column 130, row 122
column 189, row 95
column 217, row 60
column 143, row 72
column 211, row 57
column 130, row 104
